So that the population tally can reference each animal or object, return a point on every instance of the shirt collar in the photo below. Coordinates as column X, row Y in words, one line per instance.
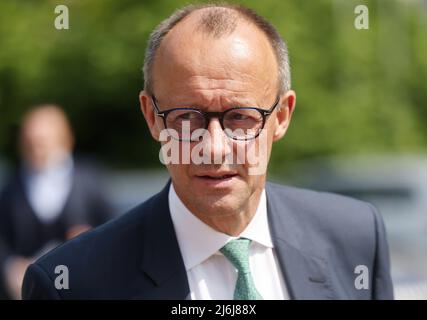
column 198, row 241
column 63, row 166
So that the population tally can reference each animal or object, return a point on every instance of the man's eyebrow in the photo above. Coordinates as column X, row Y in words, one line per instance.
column 241, row 103
column 226, row 103
column 230, row 103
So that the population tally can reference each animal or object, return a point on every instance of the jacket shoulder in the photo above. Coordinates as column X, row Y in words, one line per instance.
column 327, row 216
column 319, row 202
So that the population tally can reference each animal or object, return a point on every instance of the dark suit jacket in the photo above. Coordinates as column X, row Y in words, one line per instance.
column 23, row 234
column 319, row 238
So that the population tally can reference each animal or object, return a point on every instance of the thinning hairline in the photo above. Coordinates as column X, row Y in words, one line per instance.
column 242, row 17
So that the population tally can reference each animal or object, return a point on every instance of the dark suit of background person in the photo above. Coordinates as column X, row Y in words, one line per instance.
column 185, row 241
column 27, row 228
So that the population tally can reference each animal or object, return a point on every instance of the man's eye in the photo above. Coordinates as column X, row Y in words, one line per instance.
column 239, row 117
column 188, row 116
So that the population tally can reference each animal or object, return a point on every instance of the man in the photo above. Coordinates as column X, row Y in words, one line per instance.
column 217, row 81
column 49, row 200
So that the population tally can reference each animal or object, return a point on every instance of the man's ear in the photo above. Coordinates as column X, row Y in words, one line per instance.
column 149, row 114
column 284, row 114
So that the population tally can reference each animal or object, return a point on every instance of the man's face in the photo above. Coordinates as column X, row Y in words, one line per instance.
column 193, row 69
column 45, row 138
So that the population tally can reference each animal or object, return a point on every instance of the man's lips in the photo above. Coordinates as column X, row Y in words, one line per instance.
column 217, row 175
column 217, row 180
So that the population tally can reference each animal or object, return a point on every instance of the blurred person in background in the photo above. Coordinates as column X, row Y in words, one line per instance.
column 51, row 198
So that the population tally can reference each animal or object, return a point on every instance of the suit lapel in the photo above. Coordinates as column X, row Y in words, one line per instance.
column 162, row 261
column 306, row 273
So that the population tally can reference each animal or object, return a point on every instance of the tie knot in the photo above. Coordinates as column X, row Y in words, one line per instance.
column 237, row 252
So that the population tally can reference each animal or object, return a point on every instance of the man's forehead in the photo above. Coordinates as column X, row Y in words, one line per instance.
column 246, row 50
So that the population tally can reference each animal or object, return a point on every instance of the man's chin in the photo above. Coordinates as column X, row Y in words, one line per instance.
column 222, row 206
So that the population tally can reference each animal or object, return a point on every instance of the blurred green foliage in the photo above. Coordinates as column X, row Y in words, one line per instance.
column 358, row 91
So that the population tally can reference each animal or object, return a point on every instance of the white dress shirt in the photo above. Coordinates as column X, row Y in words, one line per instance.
column 48, row 190
column 210, row 274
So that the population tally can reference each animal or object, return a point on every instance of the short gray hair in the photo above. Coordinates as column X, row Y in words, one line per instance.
column 219, row 22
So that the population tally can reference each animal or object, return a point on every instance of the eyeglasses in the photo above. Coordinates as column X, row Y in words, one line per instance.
column 239, row 123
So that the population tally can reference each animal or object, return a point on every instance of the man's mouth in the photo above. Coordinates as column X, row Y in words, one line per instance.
column 216, row 177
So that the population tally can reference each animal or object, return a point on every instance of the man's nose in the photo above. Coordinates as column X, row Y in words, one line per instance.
column 219, row 145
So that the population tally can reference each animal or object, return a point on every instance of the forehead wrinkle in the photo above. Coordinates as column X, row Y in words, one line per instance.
column 210, row 83
column 197, row 94
column 214, row 100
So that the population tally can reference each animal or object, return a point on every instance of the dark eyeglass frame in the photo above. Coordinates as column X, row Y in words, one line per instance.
column 220, row 115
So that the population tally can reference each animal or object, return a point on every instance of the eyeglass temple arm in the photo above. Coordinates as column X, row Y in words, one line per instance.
column 156, row 108
column 268, row 112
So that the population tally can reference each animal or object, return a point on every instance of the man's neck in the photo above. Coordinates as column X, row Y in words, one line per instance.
column 232, row 223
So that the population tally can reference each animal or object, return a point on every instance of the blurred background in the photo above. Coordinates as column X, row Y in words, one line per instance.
column 359, row 126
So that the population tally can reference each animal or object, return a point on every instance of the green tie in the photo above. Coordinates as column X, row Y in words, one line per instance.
column 237, row 252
